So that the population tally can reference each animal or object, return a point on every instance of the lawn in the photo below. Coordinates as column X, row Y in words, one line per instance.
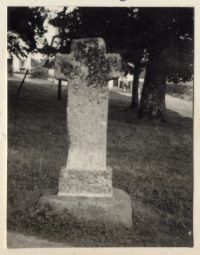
column 151, row 161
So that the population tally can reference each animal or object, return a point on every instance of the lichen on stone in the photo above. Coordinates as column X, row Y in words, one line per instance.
column 89, row 61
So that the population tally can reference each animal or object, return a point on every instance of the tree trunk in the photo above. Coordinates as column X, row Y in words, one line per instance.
column 152, row 102
column 135, row 85
column 22, row 82
column 59, row 89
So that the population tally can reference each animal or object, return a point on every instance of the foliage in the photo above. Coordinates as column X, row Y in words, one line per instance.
column 167, row 34
column 161, row 37
column 25, row 29
column 39, row 72
column 132, row 31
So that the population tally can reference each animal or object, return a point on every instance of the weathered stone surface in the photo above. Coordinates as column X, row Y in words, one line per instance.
column 74, row 182
column 87, row 69
column 115, row 210
column 88, row 60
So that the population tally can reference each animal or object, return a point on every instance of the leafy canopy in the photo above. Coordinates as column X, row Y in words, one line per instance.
column 136, row 32
column 25, row 29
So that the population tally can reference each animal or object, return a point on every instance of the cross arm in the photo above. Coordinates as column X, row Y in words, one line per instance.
column 66, row 67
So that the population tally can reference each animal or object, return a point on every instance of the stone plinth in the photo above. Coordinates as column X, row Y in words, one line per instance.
column 111, row 211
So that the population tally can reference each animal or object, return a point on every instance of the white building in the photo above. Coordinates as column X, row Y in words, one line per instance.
column 21, row 65
column 16, row 65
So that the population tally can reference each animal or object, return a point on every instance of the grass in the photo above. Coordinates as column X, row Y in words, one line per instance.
column 151, row 161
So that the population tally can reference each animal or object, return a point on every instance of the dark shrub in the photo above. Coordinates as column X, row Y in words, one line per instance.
column 39, row 72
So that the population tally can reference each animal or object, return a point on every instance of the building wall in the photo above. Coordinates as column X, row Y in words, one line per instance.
column 21, row 65
column 15, row 64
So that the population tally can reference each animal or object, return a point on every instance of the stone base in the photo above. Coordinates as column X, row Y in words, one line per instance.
column 115, row 211
column 75, row 182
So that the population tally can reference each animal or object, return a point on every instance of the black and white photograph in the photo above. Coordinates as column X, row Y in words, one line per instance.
column 100, row 126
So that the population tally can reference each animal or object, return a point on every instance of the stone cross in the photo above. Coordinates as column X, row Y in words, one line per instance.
column 85, row 190
column 87, row 69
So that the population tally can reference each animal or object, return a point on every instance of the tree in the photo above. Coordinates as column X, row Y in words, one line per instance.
column 135, row 68
column 162, row 32
column 116, row 27
column 171, row 31
column 63, row 43
column 25, row 29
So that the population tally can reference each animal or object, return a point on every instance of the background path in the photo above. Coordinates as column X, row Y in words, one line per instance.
column 183, row 107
